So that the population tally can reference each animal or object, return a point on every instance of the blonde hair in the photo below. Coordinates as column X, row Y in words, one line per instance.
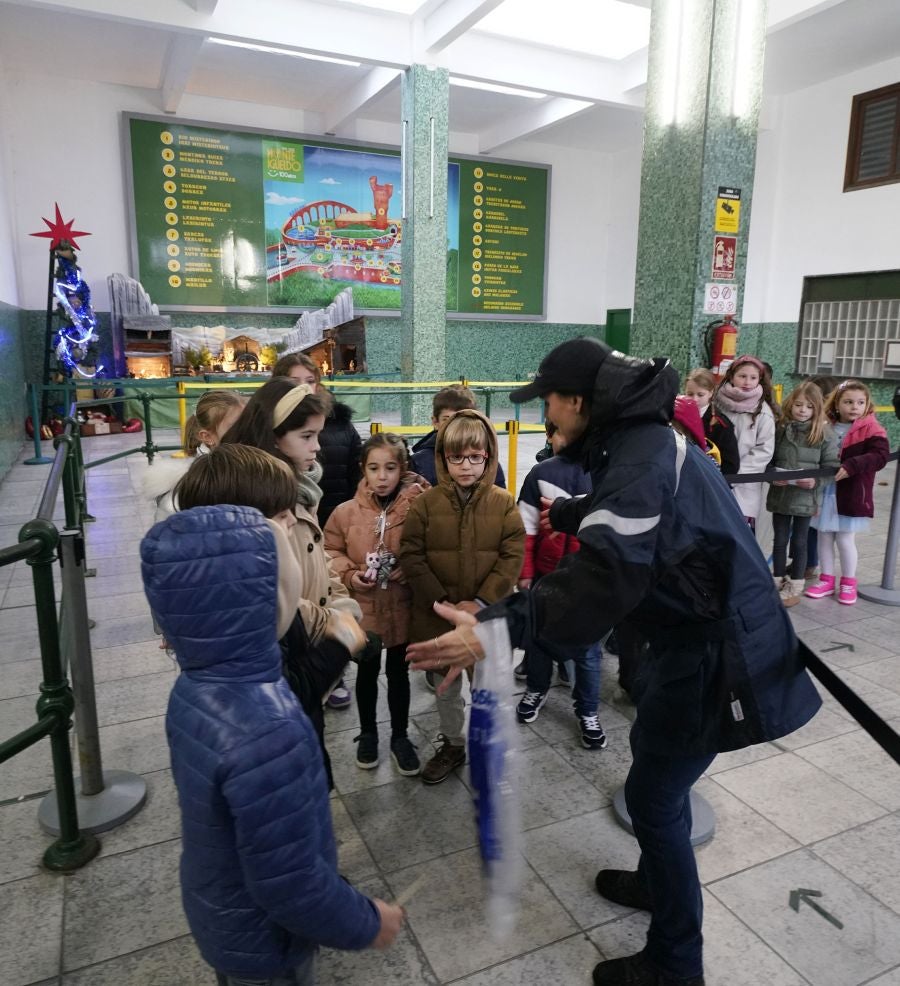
column 833, row 399
column 464, row 432
column 208, row 415
column 807, row 391
column 702, row 377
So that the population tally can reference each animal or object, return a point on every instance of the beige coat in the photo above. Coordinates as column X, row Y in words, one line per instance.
column 455, row 553
column 321, row 589
column 353, row 530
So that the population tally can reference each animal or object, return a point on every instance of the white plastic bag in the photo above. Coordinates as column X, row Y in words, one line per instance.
column 492, row 767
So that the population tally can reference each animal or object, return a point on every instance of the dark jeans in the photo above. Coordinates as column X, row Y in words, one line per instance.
column 657, row 793
column 812, row 548
column 397, row 671
column 795, row 530
column 586, row 690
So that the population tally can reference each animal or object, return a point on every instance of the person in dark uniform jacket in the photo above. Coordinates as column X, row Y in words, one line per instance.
column 664, row 546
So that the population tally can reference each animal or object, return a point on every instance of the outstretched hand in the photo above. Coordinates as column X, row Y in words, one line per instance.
column 451, row 652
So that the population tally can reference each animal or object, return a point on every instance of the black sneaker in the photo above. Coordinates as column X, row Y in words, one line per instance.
column 636, row 970
column 527, row 710
column 429, row 680
column 367, row 750
column 592, row 735
column 520, row 672
column 404, row 755
column 624, row 887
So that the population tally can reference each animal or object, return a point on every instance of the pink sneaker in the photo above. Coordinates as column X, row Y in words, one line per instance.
column 847, row 591
column 824, row 587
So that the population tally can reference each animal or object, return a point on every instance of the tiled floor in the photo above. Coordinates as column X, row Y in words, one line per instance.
column 818, row 810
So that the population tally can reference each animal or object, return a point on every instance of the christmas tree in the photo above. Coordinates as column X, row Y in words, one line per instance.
column 74, row 340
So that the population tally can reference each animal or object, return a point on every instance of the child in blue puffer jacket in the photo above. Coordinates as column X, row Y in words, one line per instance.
column 259, row 877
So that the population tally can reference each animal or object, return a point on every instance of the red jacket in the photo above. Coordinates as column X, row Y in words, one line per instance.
column 864, row 451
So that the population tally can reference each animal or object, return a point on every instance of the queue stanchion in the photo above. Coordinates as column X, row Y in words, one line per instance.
column 38, row 459
column 886, row 593
column 512, row 429
column 107, row 798
column 703, row 818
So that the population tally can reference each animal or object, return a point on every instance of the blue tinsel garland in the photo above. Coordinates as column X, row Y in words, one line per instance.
column 74, row 299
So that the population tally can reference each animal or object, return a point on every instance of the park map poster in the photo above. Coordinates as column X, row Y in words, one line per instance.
column 242, row 219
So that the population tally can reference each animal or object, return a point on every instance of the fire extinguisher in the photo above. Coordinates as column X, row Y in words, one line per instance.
column 720, row 339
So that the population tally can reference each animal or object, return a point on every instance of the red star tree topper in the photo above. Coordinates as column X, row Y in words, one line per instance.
column 60, row 230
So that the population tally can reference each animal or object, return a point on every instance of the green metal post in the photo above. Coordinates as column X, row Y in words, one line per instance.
column 38, row 459
column 69, row 484
column 85, row 517
column 149, row 447
column 73, row 848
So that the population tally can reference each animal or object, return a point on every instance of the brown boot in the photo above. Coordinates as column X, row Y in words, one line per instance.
column 447, row 758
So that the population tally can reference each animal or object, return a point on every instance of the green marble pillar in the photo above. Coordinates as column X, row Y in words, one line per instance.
column 425, row 105
column 700, row 122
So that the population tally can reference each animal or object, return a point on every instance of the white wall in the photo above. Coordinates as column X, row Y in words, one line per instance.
column 8, row 287
column 802, row 221
column 81, row 167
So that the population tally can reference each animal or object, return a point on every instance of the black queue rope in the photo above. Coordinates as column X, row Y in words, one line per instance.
column 870, row 721
column 771, row 475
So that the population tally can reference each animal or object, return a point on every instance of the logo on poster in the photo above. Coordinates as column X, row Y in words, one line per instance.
column 283, row 161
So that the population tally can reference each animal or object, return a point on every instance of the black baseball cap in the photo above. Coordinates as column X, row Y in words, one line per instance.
column 570, row 368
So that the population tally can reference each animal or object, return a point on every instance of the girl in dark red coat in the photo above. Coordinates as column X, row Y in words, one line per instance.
column 847, row 504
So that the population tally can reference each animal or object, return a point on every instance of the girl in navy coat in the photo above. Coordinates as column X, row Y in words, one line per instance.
column 259, row 878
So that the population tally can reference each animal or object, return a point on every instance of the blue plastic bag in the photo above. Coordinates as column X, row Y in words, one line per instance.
column 492, row 767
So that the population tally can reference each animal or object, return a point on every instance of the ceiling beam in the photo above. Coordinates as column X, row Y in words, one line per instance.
column 179, row 64
column 530, row 122
column 452, row 19
column 204, row 6
column 572, row 75
column 356, row 97
column 633, row 72
column 789, row 12
column 373, row 37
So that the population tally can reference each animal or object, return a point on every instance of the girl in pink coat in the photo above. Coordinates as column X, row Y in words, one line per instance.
column 362, row 537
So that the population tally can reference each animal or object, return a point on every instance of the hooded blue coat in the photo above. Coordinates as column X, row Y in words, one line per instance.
column 259, row 878
column 664, row 547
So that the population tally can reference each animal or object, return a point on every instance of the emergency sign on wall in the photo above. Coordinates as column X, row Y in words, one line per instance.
column 724, row 257
column 720, row 299
column 728, row 209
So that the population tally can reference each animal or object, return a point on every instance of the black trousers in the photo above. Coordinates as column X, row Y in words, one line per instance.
column 397, row 671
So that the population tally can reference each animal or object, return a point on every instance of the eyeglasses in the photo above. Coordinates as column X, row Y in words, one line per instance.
column 475, row 460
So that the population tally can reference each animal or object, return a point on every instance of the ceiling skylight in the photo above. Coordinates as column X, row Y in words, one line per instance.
column 607, row 28
column 392, row 6
column 493, row 87
column 270, row 49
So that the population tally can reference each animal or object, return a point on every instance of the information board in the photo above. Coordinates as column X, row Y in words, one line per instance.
column 241, row 219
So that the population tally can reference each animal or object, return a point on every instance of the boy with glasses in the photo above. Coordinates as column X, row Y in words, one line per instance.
column 463, row 543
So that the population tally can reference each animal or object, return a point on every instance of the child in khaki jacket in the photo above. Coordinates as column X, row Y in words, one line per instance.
column 463, row 543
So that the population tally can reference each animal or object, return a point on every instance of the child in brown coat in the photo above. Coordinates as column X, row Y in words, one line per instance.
column 362, row 538
column 463, row 543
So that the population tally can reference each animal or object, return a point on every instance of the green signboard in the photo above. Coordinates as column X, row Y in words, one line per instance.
column 240, row 219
